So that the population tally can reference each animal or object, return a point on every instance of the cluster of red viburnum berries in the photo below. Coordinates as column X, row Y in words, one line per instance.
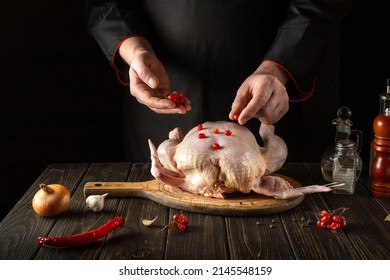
column 178, row 98
column 332, row 220
column 180, row 221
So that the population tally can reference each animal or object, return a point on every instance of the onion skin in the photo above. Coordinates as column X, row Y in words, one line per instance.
column 51, row 200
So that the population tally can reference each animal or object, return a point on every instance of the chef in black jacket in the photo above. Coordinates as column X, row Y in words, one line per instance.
column 248, row 57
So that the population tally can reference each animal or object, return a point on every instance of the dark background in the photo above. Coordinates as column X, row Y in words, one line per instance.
column 61, row 102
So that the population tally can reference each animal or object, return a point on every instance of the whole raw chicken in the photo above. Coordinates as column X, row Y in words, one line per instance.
column 215, row 158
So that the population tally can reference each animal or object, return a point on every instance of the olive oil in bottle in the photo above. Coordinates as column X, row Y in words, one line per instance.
column 343, row 132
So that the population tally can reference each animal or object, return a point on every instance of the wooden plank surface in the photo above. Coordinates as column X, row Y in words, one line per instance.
column 134, row 240
column 367, row 229
column 77, row 220
column 260, row 237
column 288, row 235
column 310, row 242
column 22, row 226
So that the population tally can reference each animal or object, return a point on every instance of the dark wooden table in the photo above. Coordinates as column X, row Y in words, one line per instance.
column 367, row 235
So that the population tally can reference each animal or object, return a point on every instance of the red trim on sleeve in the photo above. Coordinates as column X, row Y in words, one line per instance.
column 308, row 94
column 118, row 76
column 114, row 55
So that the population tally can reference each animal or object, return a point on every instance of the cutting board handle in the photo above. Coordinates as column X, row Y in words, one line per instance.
column 121, row 189
column 175, row 197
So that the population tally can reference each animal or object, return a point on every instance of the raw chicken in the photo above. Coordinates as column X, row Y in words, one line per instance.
column 224, row 157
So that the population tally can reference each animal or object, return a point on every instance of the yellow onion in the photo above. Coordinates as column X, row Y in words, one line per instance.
column 51, row 200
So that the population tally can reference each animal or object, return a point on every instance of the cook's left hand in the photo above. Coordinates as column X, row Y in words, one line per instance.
column 262, row 95
column 149, row 82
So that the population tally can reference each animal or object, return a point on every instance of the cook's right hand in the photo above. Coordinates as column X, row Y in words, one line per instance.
column 149, row 82
column 262, row 95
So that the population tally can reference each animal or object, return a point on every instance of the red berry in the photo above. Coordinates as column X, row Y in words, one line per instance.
column 228, row 132
column 183, row 219
column 216, row 146
column 216, row 131
column 336, row 218
column 175, row 217
column 200, row 127
column 321, row 224
column 343, row 222
column 334, row 226
column 326, row 219
column 201, row 135
column 178, row 98
column 181, row 227
column 236, row 116
column 323, row 213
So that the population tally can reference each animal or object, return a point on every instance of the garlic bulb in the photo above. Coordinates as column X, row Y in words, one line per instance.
column 95, row 203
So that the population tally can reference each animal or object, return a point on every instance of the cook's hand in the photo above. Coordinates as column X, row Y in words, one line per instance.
column 262, row 95
column 149, row 82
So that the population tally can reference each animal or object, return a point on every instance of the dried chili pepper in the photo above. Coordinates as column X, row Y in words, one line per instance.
column 82, row 238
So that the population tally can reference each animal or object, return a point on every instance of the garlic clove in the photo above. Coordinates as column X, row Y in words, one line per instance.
column 147, row 222
column 95, row 203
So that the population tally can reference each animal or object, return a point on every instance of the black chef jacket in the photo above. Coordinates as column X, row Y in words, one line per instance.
column 209, row 47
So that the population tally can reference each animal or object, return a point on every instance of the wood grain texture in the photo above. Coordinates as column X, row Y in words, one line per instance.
column 258, row 238
column 204, row 239
column 77, row 219
column 366, row 227
column 236, row 204
column 290, row 234
column 134, row 240
column 309, row 241
column 22, row 225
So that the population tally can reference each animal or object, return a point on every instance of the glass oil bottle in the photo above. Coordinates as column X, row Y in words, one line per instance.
column 343, row 132
column 345, row 163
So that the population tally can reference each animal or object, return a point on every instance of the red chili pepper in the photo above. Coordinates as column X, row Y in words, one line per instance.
column 82, row 238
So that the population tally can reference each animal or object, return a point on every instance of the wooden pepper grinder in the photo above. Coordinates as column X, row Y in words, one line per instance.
column 380, row 169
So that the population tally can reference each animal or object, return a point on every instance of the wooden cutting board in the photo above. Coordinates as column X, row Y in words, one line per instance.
column 236, row 204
